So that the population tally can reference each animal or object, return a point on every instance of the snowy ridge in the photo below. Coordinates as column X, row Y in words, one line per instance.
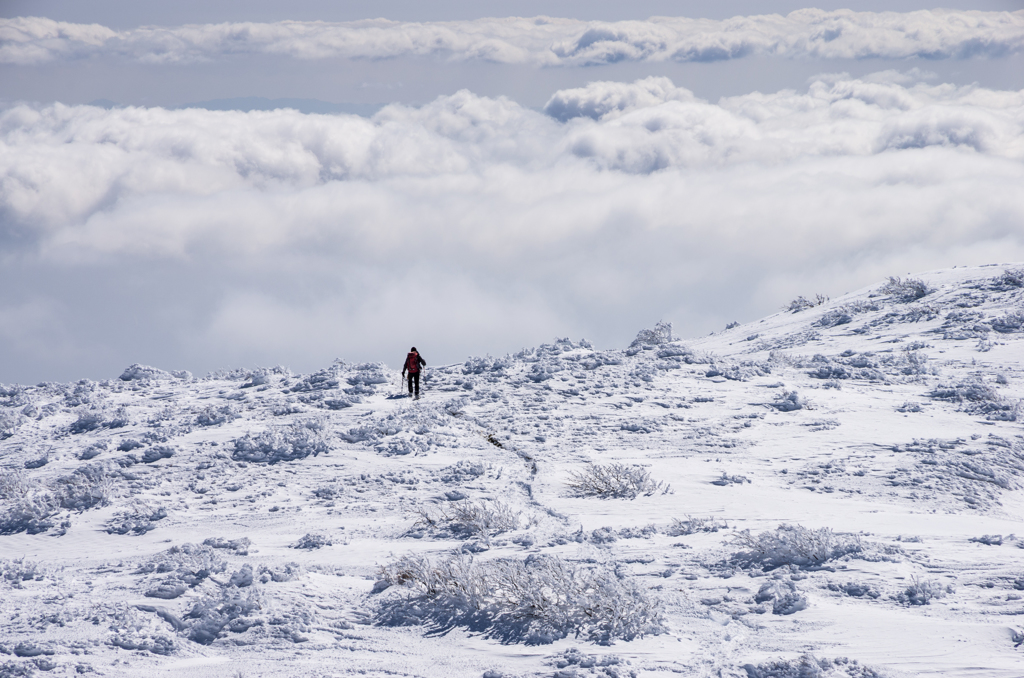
column 832, row 490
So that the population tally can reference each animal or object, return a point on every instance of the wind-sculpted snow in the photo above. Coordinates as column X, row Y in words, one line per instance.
column 768, row 499
column 543, row 41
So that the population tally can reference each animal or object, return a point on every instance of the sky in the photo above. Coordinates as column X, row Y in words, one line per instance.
column 519, row 171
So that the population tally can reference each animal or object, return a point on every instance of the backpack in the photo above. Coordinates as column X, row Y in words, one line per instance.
column 412, row 363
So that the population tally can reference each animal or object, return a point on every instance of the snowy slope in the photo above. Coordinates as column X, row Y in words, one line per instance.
column 839, row 480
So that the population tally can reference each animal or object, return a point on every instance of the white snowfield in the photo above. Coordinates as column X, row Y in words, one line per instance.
column 834, row 490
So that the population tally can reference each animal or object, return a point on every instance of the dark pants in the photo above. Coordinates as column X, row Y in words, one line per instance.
column 414, row 377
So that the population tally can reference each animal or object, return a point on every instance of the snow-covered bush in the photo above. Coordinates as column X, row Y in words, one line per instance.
column 834, row 318
column 855, row 590
column 921, row 592
column 807, row 666
column 462, row 471
column 88, row 420
column 536, row 601
column 135, row 521
column 92, row 451
column 1010, row 279
column 789, row 401
column 215, row 416
column 232, row 610
column 158, row 452
column 468, row 518
column 13, row 572
column 608, row 481
column 910, row 289
column 9, row 421
column 681, row 528
column 239, row 546
column 312, row 541
column 137, row 372
column 801, row 303
column 572, row 660
column 783, row 596
column 661, row 334
column 725, row 480
column 1009, row 323
column 135, row 631
column 977, row 397
column 276, row 444
column 792, row 545
column 485, row 365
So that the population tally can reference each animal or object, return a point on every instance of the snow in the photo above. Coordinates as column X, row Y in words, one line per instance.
column 831, row 490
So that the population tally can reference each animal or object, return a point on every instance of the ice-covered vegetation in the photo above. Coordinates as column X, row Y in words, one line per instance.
column 536, row 600
column 618, row 481
column 860, row 459
column 793, row 545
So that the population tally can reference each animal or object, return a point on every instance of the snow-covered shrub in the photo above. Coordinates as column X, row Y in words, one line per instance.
column 232, row 610
column 157, row 452
column 13, row 572
column 135, row 631
column 135, row 521
column 834, row 318
column 661, row 334
column 572, row 660
column 312, row 541
column 87, row 421
column 921, row 592
column 365, row 377
column 807, row 666
column 855, row 590
column 318, row 381
column 215, row 416
column 128, row 444
column 681, row 528
column 239, row 546
column 496, row 366
column 279, row 573
column 1010, row 279
column 725, row 480
column 783, row 596
column 789, row 401
column 92, row 451
column 910, row 289
column 276, row 444
column 462, row 471
column 600, row 359
column 264, row 375
column 536, row 601
column 792, row 545
column 468, row 519
column 977, row 397
column 608, row 481
column 1009, row 323
column 988, row 539
column 801, row 303
column 9, row 421
column 137, row 372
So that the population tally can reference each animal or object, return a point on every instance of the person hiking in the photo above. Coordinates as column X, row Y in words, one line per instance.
column 413, row 362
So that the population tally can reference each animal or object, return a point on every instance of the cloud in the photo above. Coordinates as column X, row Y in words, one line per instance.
column 542, row 41
column 484, row 225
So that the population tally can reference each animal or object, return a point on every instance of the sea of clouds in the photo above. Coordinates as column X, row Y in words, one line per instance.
column 545, row 41
column 477, row 224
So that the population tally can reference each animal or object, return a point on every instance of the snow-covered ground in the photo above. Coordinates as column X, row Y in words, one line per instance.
column 832, row 490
